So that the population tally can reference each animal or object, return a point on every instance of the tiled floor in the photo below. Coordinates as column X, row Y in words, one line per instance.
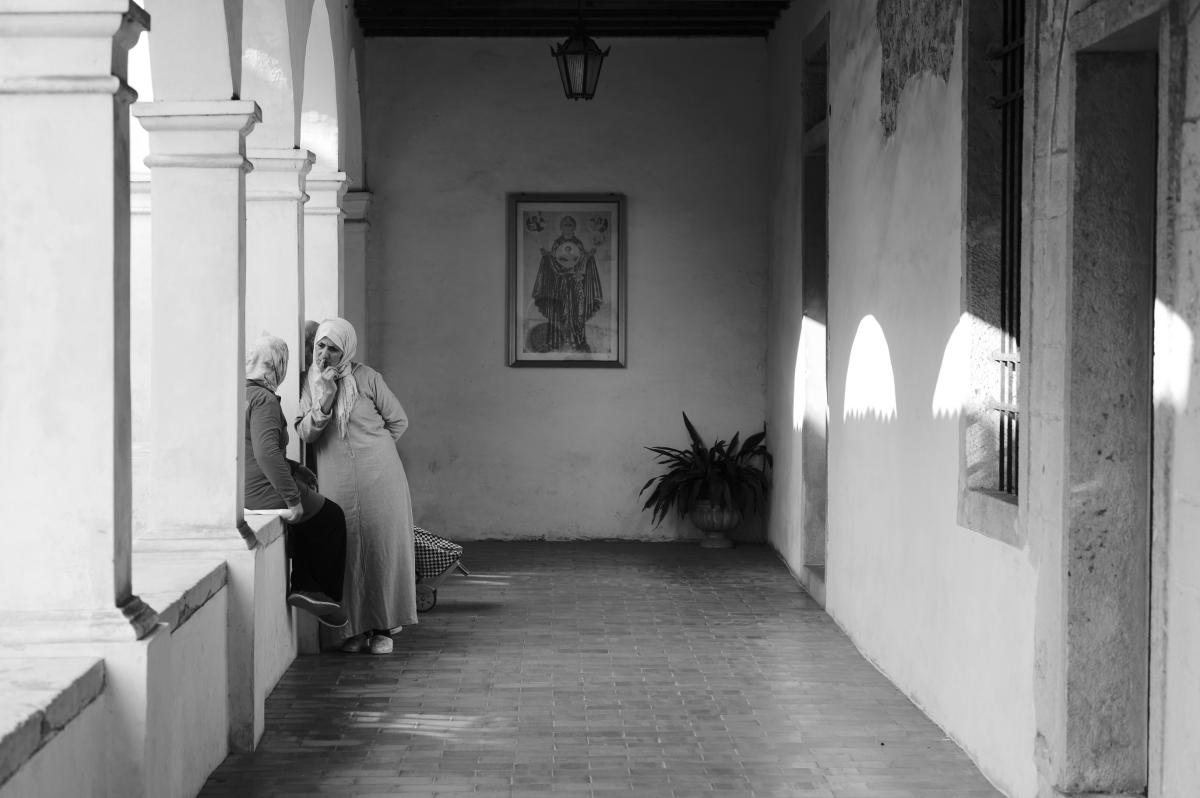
column 603, row 669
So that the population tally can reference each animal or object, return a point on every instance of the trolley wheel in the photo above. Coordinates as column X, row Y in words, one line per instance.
column 426, row 598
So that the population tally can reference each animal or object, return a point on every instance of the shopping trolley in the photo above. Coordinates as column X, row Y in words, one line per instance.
column 437, row 558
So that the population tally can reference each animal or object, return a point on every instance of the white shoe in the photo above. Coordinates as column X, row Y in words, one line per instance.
column 380, row 644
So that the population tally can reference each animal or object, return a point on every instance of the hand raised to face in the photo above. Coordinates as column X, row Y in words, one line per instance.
column 324, row 388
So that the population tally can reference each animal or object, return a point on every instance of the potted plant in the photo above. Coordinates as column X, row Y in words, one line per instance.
column 714, row 485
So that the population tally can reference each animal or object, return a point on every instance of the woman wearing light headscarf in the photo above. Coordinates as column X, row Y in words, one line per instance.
column 316, row 535
column 353, row 421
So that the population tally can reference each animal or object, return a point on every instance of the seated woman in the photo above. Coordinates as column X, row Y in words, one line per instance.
column 316, row 536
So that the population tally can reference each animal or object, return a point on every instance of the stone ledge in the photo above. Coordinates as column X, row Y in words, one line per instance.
column 177, row 586
column 266, row 525
column 260, row 528
column 39, row 696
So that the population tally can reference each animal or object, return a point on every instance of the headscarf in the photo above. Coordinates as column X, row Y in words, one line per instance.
column 341, row 333
column 267, row 361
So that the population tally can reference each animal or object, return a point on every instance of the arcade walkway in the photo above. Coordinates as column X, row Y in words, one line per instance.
column 604, row 669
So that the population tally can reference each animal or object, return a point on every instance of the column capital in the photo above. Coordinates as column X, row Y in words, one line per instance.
column 67, row 46
column 139, row 193
column 355, row 205
column 198, row 135
column 325, row 191
column 278, row 174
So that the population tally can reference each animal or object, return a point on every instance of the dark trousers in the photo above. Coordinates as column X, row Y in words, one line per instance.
column 318, row 551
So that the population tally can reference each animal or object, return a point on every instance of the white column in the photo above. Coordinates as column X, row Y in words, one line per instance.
column 197, row 160
column 354, row 284
column 324, row 294
column 64, row 321
column 275, row 262
column 141, row 333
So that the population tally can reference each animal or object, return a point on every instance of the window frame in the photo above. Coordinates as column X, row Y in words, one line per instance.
column 990, row 511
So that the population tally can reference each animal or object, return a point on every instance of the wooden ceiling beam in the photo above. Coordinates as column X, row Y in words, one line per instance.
column 487, row 32
column 609, row 18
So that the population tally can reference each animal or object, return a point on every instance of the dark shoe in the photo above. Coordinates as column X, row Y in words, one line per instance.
column 336, row 619
column 318, row 604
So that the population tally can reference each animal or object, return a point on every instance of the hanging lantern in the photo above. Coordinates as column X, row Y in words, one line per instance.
column 579, row 59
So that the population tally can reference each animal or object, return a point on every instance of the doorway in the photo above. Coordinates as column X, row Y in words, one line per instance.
column 814, row 332
column 1109, row 413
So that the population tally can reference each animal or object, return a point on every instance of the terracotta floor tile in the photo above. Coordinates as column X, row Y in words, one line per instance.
column 603, row 669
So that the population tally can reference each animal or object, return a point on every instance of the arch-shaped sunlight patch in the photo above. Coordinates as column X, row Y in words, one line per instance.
column 1173, row 342
column 809, row 398
column 954, row 377
column 870, row 382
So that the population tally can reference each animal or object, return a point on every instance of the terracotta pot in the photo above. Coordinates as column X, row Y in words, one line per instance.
column 714, row 522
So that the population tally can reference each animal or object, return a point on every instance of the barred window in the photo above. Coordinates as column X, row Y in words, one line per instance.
column 993, row 150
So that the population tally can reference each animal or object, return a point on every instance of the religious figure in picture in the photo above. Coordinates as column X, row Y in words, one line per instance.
column 567, row 289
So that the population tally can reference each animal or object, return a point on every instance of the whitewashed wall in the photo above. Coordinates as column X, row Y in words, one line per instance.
column 678, row 126
column 946, row 613
column 70, row 764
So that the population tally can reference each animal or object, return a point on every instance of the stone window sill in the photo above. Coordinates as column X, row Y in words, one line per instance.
column 38, row 698
column 992, row 514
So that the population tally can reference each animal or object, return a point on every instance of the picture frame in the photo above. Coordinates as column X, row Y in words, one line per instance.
column 566, row 280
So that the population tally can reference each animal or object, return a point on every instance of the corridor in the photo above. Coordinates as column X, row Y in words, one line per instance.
column 594, row 668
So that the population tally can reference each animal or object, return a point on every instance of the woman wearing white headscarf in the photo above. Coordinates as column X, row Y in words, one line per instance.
column 353, row 420
column 316, row 533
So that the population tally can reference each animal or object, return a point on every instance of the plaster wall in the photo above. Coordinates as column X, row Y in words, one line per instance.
column 945, row 612
column 262, row 640
column 452, row 125
column 199, row 712
column 274, row 635
column 69, row 763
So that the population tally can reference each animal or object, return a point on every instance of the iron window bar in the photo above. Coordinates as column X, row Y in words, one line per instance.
column 1010, row 104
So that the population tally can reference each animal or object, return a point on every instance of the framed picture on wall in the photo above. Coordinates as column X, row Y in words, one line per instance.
column 566, row 280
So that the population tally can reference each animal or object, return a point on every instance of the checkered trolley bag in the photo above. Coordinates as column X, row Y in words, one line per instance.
column 436, row 559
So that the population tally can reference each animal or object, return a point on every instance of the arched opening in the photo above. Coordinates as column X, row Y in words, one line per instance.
column 324, row 293
column 319, row 110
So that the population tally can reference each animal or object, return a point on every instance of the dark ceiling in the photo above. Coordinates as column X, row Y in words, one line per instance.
column 557, row 18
